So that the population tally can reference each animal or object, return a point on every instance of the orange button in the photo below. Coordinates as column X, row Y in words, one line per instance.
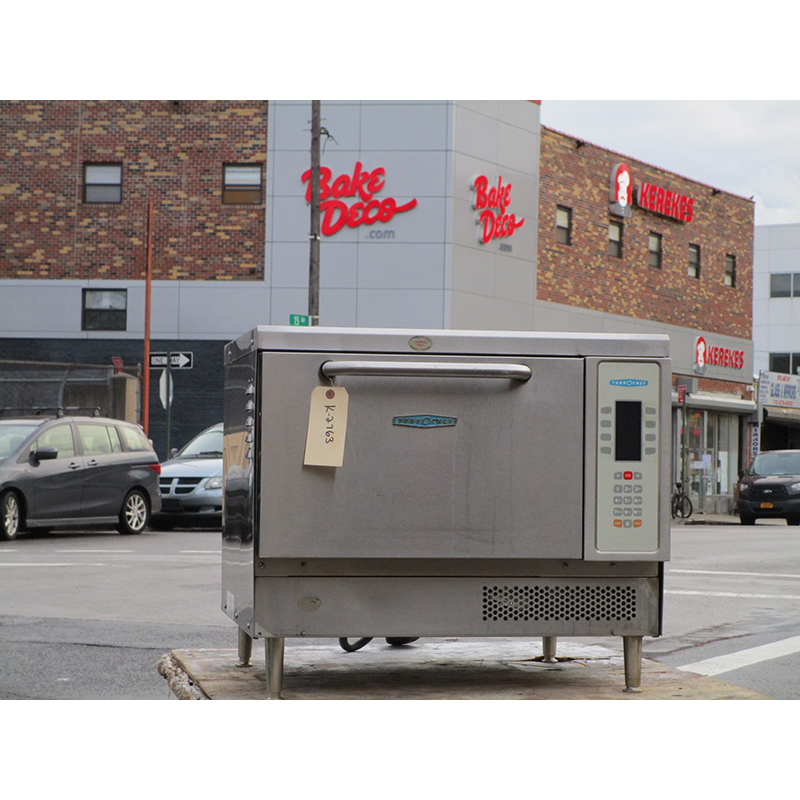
column 617, row 523
column 637, row 523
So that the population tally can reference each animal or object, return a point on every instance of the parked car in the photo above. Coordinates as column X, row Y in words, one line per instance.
column 73, row 471
column 771, row 488
column 191, row 483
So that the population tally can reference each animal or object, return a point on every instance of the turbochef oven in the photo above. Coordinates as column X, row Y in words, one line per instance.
column 445, row 483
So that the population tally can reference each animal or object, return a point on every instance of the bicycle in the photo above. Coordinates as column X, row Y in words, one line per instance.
column 681, row 504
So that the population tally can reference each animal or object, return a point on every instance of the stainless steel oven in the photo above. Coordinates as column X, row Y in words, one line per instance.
column 445, row 483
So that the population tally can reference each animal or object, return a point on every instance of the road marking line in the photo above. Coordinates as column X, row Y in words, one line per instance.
column 57, row 564
column 744, row 658
column 746, row 574
column 736, row 594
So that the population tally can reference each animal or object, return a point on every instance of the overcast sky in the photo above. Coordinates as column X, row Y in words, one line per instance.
column 750, row 148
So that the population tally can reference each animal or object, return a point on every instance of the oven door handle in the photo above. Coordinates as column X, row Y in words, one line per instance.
column 421, row 369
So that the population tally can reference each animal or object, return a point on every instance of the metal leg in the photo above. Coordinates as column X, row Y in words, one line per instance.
column 245, row 648
column 274, row 646
column 632, row 649
column 549, row 649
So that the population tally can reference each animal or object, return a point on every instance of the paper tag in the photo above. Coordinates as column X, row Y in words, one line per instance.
column 327, row 426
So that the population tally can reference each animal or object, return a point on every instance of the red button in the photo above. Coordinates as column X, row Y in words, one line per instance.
column 628, row 476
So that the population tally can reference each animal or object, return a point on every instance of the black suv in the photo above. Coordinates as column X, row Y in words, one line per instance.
column 74, row 471
column 771, row 488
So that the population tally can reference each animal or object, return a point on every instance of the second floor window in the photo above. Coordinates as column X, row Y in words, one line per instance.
column 730, row 270
column 563, row 225
column 654, row 250
column 693, row 270
column 241, row 184
column 102, row 183
column 615, row 239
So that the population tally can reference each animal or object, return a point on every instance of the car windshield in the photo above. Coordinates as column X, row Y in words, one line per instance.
column 208, row 443
column 12, row 435
column 776, row 464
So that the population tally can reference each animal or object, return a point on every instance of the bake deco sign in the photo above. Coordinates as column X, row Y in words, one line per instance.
column 350, row 199
column 492, row 203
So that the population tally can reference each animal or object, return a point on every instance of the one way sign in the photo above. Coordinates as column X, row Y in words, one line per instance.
column 176, row 360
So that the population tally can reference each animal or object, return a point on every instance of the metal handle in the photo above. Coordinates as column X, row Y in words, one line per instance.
column 436, row 369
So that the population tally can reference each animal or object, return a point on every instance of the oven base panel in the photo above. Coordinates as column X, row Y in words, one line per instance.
column 470, row 606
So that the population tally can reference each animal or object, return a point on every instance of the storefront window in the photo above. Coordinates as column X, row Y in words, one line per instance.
column 711, row 459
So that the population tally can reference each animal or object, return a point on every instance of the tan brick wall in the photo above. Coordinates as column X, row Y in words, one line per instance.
column 171, row 153
column 584, row 275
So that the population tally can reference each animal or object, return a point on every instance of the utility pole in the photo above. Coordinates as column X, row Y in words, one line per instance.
column 313, row 264
column 147, row 294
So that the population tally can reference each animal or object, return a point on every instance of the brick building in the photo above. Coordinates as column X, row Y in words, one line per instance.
column 76, row 182
column 676, row 256
column 405, row 243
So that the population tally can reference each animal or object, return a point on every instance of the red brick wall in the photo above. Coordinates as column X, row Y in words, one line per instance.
column 171, row 153
column 583, row 274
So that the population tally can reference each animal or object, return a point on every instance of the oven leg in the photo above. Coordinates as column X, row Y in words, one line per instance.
column 274, row 645
column 245, row 648
column 632, row 649
column 549, row 649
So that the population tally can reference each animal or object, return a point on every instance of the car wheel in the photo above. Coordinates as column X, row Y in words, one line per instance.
column 10, row 516
column 746, row 519
column 135, row 513
column 793, row 520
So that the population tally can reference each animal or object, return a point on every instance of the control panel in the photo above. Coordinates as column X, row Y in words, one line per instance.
column 628, row 448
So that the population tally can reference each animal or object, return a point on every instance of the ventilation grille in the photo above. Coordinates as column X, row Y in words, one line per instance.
column 544, row 603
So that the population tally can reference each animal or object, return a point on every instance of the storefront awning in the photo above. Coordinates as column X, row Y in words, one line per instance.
column 709, row 401
column 783, row 416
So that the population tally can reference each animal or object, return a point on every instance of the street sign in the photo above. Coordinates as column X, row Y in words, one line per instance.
column 681, row 395
column 299, row 319
column 176, row 360
column 165, row 385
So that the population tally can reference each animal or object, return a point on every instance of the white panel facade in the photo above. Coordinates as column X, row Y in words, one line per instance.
column 776, row 320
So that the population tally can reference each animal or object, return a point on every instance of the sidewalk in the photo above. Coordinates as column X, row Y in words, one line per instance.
column 700, row 518
column 436, row 669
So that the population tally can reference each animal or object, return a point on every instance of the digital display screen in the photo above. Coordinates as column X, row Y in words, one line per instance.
column 628, row 431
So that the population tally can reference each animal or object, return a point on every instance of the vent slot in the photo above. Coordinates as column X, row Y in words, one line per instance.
column 574, row 603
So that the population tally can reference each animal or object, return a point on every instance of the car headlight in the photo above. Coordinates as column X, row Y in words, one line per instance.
column 794, row 488
column 744, row 488
column 213, row 483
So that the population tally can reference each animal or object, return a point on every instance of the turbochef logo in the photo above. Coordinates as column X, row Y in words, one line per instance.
column 425, row 421
column 628, row 382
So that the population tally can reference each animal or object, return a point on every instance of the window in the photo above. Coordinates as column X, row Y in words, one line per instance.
column 615, row 239
column 788, row 363
column 60, row 437
column 105, row 310
column 134, row 440
column 784, row 284
column 563, row 225
column 693, row 270
column 102, row 183
column 654, row 248
column 98, row 440
column 730, row 270
column 241, row 184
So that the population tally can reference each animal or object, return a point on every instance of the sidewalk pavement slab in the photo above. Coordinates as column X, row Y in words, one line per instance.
column 436, row 669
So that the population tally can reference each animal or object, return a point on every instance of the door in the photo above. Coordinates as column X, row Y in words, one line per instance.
column 56, row 484
column 106, row 472
column 498, row 475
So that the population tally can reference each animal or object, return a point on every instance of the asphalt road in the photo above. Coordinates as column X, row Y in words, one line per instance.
column 87, row 615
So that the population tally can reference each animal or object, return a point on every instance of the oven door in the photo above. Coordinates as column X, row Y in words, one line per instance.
column 446, row 457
